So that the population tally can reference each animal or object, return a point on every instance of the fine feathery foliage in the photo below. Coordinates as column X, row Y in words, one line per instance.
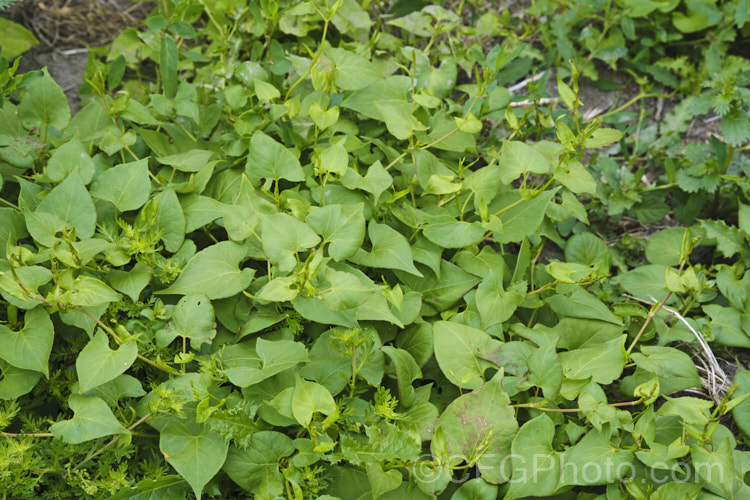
column 320, row 250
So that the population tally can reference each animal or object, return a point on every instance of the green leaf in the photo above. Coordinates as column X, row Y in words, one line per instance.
column 70, row 201
column 603, row 363
column 69, row 158
column 89, row 292
column 390, row 250
column 248, row 363
column 44, row 104
column 715, row 466
column 574, row 176
column 97, row 363
column 30, row 347
column 645, row 282
column 545, row 370
column 309, row 398
column 407, row 371
column 342, row 226
column 376, row 181
column 517, row 157
column 268, row 159
column 15, row 382
column 582, row 304
column 382, row 482
column 523, row 219
column 283, row 237
column 192, row 318
column 333, row 159
column 496, row 305
column 15, row 39
column 126, row 186
column 482, row 419
column 323, row 119
column 279, row 289
column 595, row 461
column 194, row 160
column 171, row 487
column 168, row 56
column 476, row 489
column 741, row 412
column 536, row 465
column 602, row 137
column 459, row 350
column 347, row 290
column 352, row 71
column 132, row 282
column 450, row 233
column 265, row 91
column 214, row 272
column 92, row 419
column 727, row 326
column 196, row 453
column 586, row 249
column 675, row 369
column 256, row 467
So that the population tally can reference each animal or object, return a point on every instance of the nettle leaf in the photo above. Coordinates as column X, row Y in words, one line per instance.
column 283, row 237
column 390, row 250
column 269, row 159
column 97, row 363
column 126, row 186
column 195, row 452
column 341, row 226
column 214, row 272
column 92, row 419
column 44, row 104
column 257, row 467
column 30, row 347
column 482, row 417
column 459, row 350
column 192, row 318
column 70, row 201
column 248, row 363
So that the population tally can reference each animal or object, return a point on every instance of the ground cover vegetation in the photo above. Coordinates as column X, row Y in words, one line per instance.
column 334, row 249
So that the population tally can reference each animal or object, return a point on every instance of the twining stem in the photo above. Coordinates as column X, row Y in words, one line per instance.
column 540, row 406
column 98, row 452
column 24, row 434
column 653, row 312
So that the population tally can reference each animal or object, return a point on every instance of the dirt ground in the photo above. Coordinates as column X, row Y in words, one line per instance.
column 66, row 29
